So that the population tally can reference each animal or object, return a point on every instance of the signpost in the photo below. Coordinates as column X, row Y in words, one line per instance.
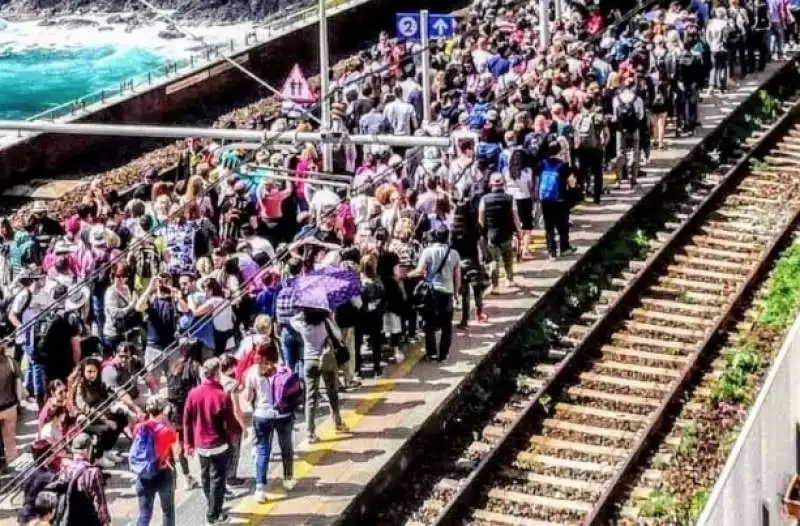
column 409, row 26
column 424, row 26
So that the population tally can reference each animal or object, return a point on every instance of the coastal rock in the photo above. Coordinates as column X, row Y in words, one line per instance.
column 170, row 34
column 76, row 23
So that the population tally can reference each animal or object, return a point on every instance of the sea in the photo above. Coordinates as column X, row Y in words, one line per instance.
column 44, row 66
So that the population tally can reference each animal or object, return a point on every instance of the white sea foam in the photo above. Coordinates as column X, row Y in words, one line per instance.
column 19, row 37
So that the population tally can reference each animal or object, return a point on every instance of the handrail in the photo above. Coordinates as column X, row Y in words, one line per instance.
column 271, row 28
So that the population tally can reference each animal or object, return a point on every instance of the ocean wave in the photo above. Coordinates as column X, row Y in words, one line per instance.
column 41, row 67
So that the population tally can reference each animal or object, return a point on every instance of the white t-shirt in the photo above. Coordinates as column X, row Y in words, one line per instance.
column 519, row 188
column 261, row 386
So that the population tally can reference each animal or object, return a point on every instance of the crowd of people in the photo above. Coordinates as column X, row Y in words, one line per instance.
column 233, row 295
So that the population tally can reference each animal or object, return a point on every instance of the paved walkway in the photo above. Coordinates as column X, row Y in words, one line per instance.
column 384, row 414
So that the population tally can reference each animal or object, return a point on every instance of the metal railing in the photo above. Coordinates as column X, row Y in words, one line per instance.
column 292, row 17
column 764, row 458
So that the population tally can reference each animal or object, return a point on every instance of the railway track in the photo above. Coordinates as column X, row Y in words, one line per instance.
column 560, row 449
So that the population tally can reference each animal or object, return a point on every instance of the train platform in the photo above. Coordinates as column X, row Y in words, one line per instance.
column 384, row 415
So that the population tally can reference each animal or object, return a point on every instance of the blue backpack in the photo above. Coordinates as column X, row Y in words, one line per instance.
column 477, row 117
column 548, row 181
column 142, row 457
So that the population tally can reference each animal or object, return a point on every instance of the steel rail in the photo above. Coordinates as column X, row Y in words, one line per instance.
column 601, row 328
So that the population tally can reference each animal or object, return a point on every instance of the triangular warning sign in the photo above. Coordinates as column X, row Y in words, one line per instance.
column 296, row 87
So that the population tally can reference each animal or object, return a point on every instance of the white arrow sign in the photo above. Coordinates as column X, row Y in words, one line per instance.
column 441, row 27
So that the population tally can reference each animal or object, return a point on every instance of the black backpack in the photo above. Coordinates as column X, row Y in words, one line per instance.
column 180, row 382
column 626, row 115
column 102, row 278
column 145, row 260
column 73, row 507
column 42, row 337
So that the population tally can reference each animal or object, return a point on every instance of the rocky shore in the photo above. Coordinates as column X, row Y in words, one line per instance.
column 133, row 13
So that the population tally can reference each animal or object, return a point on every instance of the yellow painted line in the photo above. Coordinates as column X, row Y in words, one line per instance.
column 374, row 395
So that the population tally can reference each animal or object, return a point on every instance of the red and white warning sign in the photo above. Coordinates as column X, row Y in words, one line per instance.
column 296, row 87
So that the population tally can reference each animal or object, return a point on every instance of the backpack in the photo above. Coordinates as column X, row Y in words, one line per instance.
column 549, row 189
column 287, row 390
column 73, row 507
column 626, row 115
column 179, row 385
column 477, row 117
column 345, row 223
column 535, row 144
column 586, row 133
column 101, row 279
column 686, row 59
column 142, row 457
column 145, row 261
column 42, row 340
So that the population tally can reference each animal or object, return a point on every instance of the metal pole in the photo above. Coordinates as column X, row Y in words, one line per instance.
column 426, row 66
column 268, row 174
column 324, row 76
column 181, row 132
column 544, row 23
column 557, row 12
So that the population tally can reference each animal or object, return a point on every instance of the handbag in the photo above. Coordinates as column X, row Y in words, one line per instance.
column 340, row 350
column 423, row 292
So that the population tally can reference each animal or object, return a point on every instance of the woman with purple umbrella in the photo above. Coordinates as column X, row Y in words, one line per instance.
column 315, row 326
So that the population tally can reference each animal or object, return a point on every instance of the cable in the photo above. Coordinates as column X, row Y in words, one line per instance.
column 208, row 318
column 228, row 59
column 166, row 354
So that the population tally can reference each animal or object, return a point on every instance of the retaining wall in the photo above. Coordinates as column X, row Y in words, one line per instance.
column 765, row 457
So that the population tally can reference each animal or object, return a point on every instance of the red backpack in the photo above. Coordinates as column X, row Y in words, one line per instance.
column 345, row 223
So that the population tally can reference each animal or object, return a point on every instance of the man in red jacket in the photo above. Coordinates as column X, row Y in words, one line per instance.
column 209, row 429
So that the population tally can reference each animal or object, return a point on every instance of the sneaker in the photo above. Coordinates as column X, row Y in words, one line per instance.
column 114, row 457
column 462, row 326
column 260, row 495
column 481, row 317
column 570, row 251
column 191, row 483
column 399, row 356
column 341, row 427
column 312, row 438
column 289, row 484
column 222, row 519
column 235, row 482
column 104, row 463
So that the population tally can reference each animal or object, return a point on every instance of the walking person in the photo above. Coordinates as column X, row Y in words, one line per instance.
column 553, row 175
column 498, row 217
column 315, row 327
column 264, row 386
column 591, row 136
column 160, row 481
column 209, row 427
column 629, row 114
column 440, row 265
column 717, row 36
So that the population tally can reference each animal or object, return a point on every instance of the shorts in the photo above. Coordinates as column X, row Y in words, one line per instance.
column 153, row 355
column 392, row 323
column 525, row 211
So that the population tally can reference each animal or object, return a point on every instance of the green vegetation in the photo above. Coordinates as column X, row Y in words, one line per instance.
column 740, row 363
column 688, row 439
column 660, row 503
column 783, row 298
column 699, row 502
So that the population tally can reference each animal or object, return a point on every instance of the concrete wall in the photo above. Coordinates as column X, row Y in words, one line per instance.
column 765, row 457
column 43, row 154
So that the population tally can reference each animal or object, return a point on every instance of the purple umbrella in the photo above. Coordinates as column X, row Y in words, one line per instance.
column 336, row 285
column 249, row 268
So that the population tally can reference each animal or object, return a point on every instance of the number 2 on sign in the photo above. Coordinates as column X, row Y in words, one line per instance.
column 408, row 26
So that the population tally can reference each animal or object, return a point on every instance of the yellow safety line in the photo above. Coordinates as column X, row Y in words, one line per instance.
column 328, row 434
